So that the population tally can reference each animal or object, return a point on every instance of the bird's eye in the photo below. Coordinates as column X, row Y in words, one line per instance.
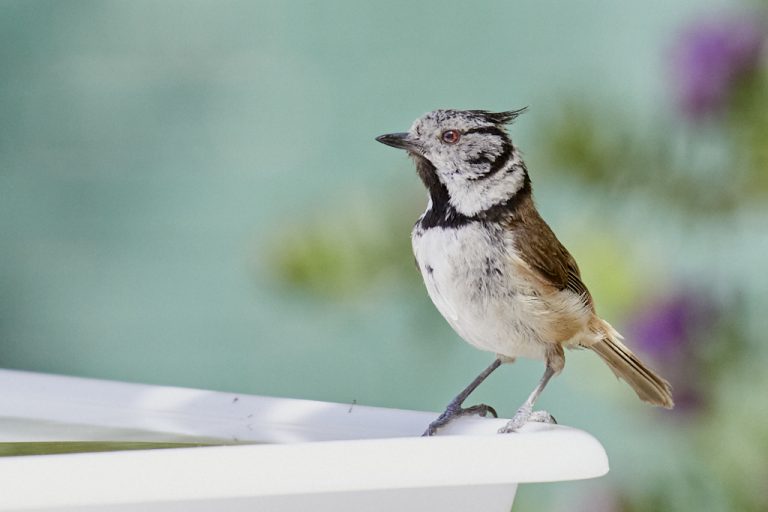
column 451, row 136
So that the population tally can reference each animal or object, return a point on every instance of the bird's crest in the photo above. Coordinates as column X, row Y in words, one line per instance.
column 505, row 117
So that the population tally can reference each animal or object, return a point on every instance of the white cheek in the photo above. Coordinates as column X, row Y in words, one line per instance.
column 444, row 164
column 471, row 197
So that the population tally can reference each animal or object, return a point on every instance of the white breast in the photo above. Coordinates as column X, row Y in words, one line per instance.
column 470, row 278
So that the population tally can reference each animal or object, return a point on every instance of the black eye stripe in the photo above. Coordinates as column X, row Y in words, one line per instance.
column 490, row 130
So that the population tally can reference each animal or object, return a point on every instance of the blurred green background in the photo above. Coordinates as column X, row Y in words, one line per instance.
column 190, row 194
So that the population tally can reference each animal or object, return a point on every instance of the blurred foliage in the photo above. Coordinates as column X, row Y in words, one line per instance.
column 710, row 156
column 340, row 253
column 606, row 151
column 747, row 126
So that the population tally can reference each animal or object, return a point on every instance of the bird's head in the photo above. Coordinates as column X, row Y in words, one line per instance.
column 466, row 154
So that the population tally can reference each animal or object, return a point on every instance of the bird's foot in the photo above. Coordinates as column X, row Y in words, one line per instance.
column 523, row 416
column 454, row 411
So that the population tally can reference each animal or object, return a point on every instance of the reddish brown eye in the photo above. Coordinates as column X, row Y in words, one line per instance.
column 451, row 136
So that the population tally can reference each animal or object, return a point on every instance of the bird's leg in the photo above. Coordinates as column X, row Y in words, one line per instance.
column 454, row 409
column 526, row 413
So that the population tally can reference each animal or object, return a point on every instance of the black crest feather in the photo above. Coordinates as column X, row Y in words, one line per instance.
column 500, row 117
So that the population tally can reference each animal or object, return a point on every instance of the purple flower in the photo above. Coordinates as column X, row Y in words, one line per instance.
column 673, row 330
column 711, row 57
column 667, row 326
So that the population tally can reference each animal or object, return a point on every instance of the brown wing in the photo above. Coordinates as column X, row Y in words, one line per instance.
column 540, row 249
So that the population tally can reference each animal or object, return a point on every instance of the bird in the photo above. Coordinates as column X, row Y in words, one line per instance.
column 494, row 268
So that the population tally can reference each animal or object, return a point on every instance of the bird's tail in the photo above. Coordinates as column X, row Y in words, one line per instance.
column 649, row 387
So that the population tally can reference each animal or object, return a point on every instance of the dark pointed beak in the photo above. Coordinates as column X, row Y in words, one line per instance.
column 399, row 141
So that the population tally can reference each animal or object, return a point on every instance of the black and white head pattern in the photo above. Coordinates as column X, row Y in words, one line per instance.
column 472, row 157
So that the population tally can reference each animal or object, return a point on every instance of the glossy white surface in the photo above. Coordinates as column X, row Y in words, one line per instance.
column 321, row 455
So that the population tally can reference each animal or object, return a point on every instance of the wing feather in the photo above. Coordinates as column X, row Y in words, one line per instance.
column 542, row 252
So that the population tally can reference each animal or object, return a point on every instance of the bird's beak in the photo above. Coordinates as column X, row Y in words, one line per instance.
column 399, row 141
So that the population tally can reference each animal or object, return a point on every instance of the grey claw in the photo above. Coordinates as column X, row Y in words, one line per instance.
column 517, row 421
column 481, row 410
column 542, row 417
column 454, row 412
column 523, row 416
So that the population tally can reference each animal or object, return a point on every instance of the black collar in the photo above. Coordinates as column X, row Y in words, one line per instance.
column 442, row 214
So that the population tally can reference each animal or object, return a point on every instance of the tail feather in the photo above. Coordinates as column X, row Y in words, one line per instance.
column 649, row 387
